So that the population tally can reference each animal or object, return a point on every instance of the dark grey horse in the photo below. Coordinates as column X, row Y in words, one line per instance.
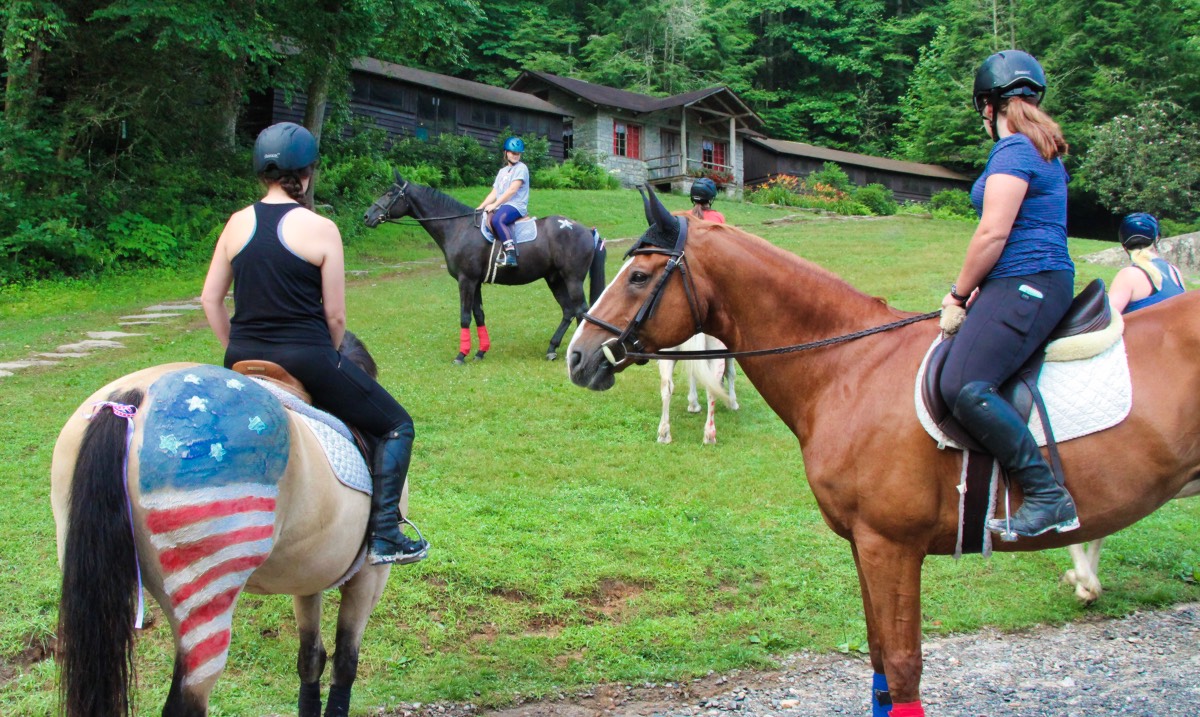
column 564, row 253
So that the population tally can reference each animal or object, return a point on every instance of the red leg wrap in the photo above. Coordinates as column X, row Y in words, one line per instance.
column 485, row 341
column 464, row 341
column 908, row 709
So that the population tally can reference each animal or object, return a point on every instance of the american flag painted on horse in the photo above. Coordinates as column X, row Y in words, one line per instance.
column 214, row 446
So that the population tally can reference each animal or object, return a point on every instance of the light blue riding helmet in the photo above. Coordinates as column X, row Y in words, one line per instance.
column 514, row 144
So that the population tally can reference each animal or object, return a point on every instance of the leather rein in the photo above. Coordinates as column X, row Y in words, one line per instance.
column 386, row 210
column 627, row 345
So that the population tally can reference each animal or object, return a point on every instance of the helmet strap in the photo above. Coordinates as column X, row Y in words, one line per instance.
column 994, row 101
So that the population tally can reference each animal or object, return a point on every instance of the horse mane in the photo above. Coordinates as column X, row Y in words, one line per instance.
column 437, row 203
column 356, row 352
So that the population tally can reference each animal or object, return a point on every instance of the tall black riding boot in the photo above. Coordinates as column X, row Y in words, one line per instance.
column 998, row 427
column 509, row 257
column 389, row 470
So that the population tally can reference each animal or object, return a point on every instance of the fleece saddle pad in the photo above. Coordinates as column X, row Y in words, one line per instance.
column 524, row 230
column 334, row 437
column 1082, row 397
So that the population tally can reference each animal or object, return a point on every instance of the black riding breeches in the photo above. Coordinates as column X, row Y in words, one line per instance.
column 1007, row 322
column 336, row 384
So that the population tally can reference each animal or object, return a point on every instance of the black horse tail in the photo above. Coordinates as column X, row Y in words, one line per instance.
column 99, row 586
column 596, row 281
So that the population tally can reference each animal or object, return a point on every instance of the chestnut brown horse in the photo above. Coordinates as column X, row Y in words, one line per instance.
column 880, row 481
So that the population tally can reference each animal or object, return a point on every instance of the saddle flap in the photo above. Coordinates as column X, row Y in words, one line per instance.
column 276, row 374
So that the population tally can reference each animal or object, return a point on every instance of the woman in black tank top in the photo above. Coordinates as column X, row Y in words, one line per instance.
column 289, row 308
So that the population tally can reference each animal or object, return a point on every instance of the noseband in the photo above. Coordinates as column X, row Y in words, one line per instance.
column 627, row 341
column 387, row 210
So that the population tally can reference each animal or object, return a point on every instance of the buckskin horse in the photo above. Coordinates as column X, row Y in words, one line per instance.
column 564, row 254
column 194, row 482
column 880, row 481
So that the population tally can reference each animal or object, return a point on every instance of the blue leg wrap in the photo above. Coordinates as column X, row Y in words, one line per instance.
column 881, row 700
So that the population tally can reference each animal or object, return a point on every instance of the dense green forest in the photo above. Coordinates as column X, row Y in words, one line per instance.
column 121, row 139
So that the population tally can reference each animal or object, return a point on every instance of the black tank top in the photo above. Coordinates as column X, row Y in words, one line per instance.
column 276, row 293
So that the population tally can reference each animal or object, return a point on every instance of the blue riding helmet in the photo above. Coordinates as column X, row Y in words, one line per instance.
column 704, row 190
column 1138, row 230
column 514, row 144
column 285, row 146
column 1011, row 73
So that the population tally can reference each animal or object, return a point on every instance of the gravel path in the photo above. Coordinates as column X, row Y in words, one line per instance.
column 1146, row 665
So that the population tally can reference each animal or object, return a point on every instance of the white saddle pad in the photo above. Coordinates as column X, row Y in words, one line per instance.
column 524, row 230
column 1082, row 397
column 333, row 435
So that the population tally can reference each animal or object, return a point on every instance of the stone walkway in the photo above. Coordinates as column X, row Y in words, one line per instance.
column 101, row 340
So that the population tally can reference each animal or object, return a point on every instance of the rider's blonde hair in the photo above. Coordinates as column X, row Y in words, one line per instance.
column 1142, row 258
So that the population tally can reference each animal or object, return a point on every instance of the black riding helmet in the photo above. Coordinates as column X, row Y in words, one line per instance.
column 284, row 147
column 704, row 190
column 1010, row 73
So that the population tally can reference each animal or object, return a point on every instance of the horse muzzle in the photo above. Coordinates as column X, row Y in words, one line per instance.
column 591, row 371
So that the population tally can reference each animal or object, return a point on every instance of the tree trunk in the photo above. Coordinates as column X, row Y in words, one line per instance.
column 23, row 54
column 314, row 111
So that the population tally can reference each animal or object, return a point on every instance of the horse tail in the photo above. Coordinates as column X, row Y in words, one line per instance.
column 596, row 281
column 99, row 585
column 705, row 375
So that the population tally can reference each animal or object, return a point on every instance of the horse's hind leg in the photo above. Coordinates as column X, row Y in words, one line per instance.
column 485, row 341
column 311, row 661
column 1086, row 559
column 359, row 597
column 467, row 289
column 730, row 376
column 569, row 295
column 666, row 387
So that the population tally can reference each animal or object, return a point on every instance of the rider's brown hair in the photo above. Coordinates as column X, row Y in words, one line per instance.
column 292, row 182
column 1033, row 122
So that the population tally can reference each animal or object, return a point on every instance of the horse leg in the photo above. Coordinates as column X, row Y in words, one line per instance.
column 730, row 375
column 710, row 423
column 466, row 300
column 666, row 387
column 881, row 699
column 693, row 395
column 485, row 341
column 1083, row 574
column 311, row 661
column 891, row 578
column 359, row 597
column 570, row 310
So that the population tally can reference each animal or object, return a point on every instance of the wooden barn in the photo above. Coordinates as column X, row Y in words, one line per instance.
column 414, row 103
column 909, row 181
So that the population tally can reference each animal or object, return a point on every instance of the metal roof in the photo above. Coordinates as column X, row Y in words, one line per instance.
column 456, row 86
column 800, row 149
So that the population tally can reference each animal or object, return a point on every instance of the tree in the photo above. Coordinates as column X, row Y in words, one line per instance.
column 1146, row 162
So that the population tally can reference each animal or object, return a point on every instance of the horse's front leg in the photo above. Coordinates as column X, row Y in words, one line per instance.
column 569, row 295
column 1083, row 575
column 881, row 698
column 310, row 662
column 485, row 341
column 359, row 597
column 730, row 375
column 467, row 290
column 890, row 577
column 666, row 387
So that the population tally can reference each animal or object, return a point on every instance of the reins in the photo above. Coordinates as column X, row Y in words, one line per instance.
column 718, row 353
column 415, row 220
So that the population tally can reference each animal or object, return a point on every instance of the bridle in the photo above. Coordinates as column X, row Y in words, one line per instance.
column 386, row 210
column 627, row 344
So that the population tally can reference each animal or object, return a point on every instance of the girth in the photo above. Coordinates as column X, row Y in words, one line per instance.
column 278, row 375
column 1089, row 312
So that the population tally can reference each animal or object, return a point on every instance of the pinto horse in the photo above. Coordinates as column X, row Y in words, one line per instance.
column 564, row 254
column 880, row 481
column 194, row 482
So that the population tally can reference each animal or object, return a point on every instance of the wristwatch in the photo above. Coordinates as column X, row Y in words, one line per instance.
column 956, row 296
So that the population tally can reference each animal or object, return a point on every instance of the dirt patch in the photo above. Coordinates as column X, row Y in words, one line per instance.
column 38, row 647
column 610, row 601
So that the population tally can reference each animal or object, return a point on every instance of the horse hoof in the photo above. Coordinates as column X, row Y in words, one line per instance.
column 479, row 355
column 460, row 359
column 551, row 355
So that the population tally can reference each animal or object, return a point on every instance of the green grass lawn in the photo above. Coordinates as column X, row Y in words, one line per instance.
column 568, row 547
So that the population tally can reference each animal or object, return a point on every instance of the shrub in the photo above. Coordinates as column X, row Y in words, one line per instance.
column 952, row 204
column 140, row 240
column 789, row 191
column 461, row 160
column 1172, row 228
column 581, row 171
column 913, row 208
column 877, row 198
column 833, row 176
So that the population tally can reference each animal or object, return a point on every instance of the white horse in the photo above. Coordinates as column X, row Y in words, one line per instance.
column 710, row 373
column 1086, row 558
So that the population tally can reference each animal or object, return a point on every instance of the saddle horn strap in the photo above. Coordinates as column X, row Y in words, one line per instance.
column 126, row 411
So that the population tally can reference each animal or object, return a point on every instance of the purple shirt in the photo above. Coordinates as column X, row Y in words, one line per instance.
column 1038, row 240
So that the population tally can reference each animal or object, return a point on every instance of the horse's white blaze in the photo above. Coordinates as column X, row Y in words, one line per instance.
column 241, row 550
column 599, row 299
column 199, row 531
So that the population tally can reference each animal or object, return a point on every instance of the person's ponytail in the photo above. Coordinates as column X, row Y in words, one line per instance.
column 1032, row 121
column 1142, row 259
column 292, row 182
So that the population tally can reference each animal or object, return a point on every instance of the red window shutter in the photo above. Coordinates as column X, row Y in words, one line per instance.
column 634, row 142
column 719, row 152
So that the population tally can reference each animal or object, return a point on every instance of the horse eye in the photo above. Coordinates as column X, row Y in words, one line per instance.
column 639, row 277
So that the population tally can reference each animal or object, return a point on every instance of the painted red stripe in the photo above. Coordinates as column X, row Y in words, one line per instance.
column 179, row 558
column 162, row 521
column 207, row 649
column 209, row 610
column 229, row 566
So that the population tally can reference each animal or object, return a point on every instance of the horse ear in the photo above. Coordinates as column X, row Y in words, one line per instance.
column 396, row 174
column 646, row 205
column 656, row 213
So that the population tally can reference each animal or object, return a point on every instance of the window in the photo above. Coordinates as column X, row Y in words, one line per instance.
column 627, row 140
column 713, row 154
column 568, row 139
